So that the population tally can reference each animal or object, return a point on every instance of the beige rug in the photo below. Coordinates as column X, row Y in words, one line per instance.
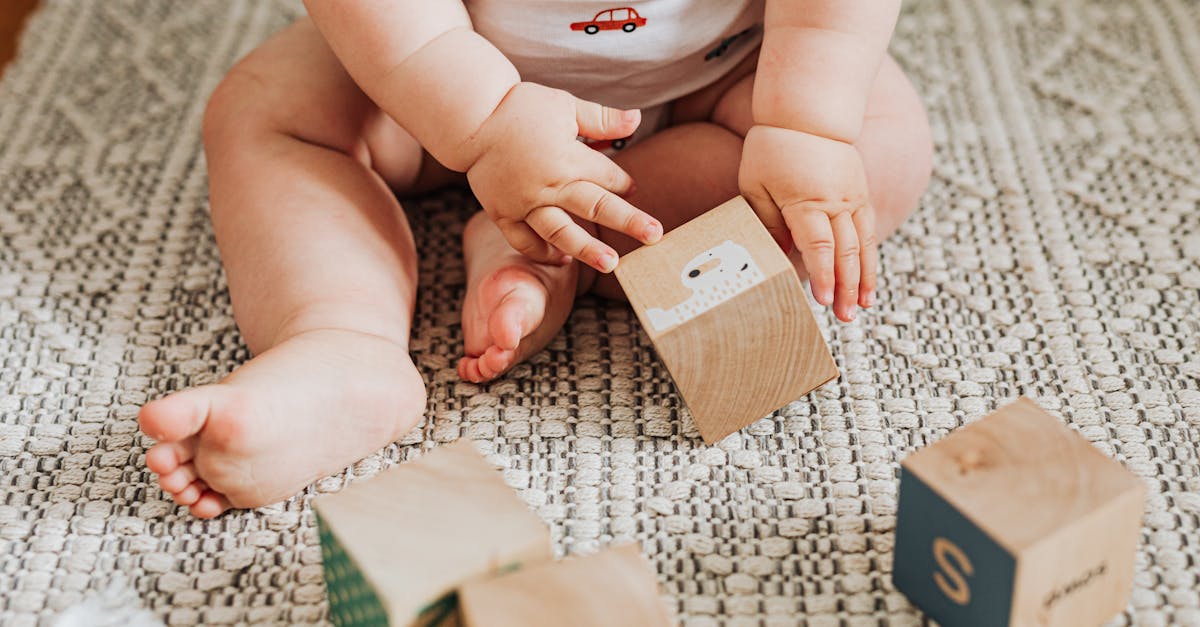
column 1056, row 255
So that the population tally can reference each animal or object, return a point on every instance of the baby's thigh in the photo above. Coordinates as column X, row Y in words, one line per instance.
column 295, row 87
column 716, row 102
column 895, row 142
column 896, row 147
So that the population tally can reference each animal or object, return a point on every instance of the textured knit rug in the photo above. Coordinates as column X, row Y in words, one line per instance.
column 1056, row 255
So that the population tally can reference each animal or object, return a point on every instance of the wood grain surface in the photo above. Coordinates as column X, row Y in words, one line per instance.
column 748, row 355
column 616, row 586
column 1068, row 515
column 419, row 530
column 1021, row 454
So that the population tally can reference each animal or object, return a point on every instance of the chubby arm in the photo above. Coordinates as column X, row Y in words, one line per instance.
column 452, row 90
column 424, row 65
column 818, row 61
column 800, row 170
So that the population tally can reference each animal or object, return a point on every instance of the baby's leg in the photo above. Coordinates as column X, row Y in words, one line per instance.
column 322, row 273
column 515, row 306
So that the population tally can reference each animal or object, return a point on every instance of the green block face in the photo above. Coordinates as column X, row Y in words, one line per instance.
column 946, row 565
column 352, row 600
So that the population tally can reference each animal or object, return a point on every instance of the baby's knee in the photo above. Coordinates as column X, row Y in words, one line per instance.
column 733, row 111
column 899, row 163
column 915, row 169
column 897, row 199
column 896, row 146
column 235, row 107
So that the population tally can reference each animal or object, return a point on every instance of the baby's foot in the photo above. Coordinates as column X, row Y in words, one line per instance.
column 304, row 409
column 514, row 305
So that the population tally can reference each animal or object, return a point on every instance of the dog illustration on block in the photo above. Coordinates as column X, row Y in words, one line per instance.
column 715, row 276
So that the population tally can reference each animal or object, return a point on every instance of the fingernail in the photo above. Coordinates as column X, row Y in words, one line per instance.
column 825, row 297
column 652, row 233
column 870, row 299
column 607, row 262
column 632, row 188
column 851, row 314
column 632, row 115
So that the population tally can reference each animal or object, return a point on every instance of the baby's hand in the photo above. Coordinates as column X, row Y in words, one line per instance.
column 532, row 174
column 815, row 188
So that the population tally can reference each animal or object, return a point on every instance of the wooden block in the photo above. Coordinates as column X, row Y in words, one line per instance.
column 396, row 546
column 616, row 586
column 1016, row 520
column 726, row 312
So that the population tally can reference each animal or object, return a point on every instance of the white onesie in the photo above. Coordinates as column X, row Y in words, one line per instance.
column 628, row 53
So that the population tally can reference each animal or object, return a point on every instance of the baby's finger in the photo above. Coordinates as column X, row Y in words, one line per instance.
column 596, row 204
column 847, row 266
column 770, row 216
column 599, row 169
column 814, row 237
column 864, row 223
column 557, row 228
column 525, row 241
column 600, row 122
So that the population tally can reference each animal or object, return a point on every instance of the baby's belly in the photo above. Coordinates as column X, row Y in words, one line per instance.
column 630, row 54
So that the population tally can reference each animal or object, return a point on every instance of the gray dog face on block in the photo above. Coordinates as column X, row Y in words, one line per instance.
column 714, row 276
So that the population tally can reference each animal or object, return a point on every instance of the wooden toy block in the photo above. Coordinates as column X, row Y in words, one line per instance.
column 616, row 586
column 727, row 314
column 1016, row 520
column 397, row 546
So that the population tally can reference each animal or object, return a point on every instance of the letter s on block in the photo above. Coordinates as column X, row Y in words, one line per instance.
column 953, row 584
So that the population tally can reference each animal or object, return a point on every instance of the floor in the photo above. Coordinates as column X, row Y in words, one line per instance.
column 12, row 17
column 1055, row 255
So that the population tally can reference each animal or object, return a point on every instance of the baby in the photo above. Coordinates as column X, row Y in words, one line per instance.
column 312, row 137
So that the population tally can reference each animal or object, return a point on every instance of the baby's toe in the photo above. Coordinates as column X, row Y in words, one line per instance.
column 506, row 324
column 177, row 416
column 165, row 457
column 496, row 361
column 178, row 479
column 191, row 493
column 210, row 505
column 471, row 369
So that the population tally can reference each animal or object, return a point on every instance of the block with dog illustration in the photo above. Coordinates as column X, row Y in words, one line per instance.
column 729, row 318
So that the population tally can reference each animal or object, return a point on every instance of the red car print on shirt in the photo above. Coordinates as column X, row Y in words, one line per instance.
column 623, row 18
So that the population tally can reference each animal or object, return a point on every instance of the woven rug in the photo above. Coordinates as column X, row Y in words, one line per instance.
column 1056, row 255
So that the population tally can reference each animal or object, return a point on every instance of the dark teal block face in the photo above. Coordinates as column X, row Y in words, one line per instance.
column 946, row 565
column 352, row 601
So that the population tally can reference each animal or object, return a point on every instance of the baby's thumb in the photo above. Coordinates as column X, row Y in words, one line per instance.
column 600, row 122
column 768, row 213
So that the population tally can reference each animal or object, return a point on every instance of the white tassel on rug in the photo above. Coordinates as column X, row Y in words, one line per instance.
column 116, row 606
